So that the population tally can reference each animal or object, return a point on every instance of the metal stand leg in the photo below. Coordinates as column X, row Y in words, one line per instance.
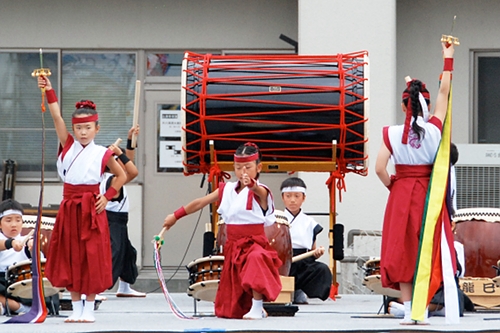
column 195, row 306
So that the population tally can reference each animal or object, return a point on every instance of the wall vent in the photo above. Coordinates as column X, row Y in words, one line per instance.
column 478, row 176
column 478, row 186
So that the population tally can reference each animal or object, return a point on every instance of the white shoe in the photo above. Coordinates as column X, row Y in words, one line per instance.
column 130, row 293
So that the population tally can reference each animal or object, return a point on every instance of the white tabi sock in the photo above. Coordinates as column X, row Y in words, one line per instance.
column 77, row 311
column 257, row 310
column 88, row 313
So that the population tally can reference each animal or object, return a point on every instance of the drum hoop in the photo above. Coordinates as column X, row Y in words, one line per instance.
column 183, row 105
column 46, row 223
column 207, row 282
column 371, row 261
column 24, row 263
column 483, row 214
column 205, row 259
column 281, row 217
column 49, row 289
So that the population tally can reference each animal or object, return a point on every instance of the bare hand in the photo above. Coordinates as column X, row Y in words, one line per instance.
column 17, row 245
column 44, row 82
column 448, row 50
column 100, row 203
column 246, row 180
column 115, row 149
column 169, row 221
column 30, row 243
column 133, row 130
column 319, row 252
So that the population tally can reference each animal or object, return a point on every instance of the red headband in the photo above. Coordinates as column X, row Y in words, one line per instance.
column 79, row 120
column 246, row 158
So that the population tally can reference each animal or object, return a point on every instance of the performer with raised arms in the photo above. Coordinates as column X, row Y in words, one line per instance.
column 79, row 256
column 412, row 148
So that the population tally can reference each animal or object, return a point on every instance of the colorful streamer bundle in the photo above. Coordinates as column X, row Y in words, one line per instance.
column 435, row 259
column 157, row 262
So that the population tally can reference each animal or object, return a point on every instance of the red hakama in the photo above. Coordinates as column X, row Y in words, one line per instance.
column 402, row 224
column 79, row 256
column 250, row 263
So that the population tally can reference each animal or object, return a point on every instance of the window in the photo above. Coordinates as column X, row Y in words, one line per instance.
column 164, row 64
column 20, row 111
column 108, row 79
column 487, row 99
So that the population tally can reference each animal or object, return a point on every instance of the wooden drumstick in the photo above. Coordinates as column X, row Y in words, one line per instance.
column 159, row 238
column 27, row 237
column 136, row 111
column 117, row 142
column 304, row 255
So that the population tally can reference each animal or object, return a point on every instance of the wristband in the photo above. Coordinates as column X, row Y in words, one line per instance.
column 51, row 96
column 448, row 64
column 181, row 212
column 110, row 193
column 129, row 144
column 8, row 243
column 124, row 158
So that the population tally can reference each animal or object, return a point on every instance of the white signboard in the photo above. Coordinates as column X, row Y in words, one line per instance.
column 170, row 154
column 170, row 123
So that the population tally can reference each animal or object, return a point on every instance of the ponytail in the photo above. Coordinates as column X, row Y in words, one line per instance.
column 411, row 93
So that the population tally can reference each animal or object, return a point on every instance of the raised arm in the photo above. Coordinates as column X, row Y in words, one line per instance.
column 444, row 88
column 55, row 111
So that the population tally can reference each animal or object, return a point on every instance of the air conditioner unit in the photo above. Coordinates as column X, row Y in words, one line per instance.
column 478, row 176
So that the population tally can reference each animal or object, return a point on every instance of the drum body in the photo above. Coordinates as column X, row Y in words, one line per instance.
column 46, row 227
column 373, row 280
column 292, row 106
column 19, row 280
column 204, row 276
column 205, row 269
column 478, row 229
column 279, row 238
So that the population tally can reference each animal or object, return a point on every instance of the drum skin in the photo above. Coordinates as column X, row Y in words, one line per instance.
column 481, row 246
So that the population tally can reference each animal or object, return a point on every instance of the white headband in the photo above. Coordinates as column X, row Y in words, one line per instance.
column 294, row 189
column 10, row 212
column 425, row 109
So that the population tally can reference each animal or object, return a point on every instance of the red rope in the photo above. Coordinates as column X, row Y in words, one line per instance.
column 262, row 71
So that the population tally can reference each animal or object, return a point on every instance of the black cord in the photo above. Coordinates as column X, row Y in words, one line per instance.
column 185, row 252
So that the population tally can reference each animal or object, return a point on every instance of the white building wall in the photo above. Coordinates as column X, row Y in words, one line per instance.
column 335, row 26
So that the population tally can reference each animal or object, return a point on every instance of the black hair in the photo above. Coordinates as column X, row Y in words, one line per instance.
column 293, row 181
column 249, row 148
column 85, row 107
column 413, row 90
column 10, row 204
column 453, row 153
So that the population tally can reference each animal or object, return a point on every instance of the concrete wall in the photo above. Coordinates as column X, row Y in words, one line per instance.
column 149, row 24
column 331, row 27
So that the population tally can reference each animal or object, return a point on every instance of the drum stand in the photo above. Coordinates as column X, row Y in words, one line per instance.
column 195, row 312
column 289, row 166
